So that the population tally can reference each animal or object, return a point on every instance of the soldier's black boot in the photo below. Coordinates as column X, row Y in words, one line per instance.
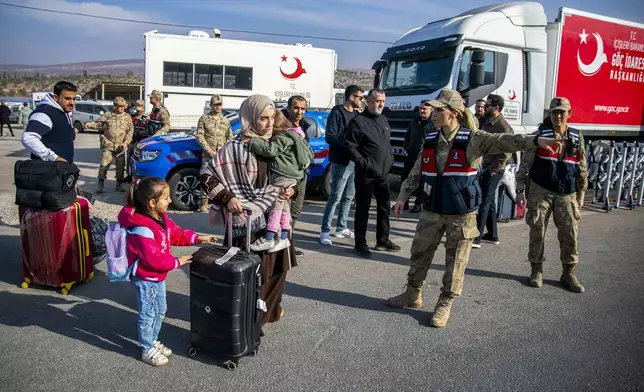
column 101, row 185
column 569, row 278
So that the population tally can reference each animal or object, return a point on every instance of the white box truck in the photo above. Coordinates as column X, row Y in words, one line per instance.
column 188, row 69
column 511, row 50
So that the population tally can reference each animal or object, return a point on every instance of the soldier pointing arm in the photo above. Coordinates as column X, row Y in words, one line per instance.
column 446, row 171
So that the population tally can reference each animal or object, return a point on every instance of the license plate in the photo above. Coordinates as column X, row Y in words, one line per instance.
column 398, row 151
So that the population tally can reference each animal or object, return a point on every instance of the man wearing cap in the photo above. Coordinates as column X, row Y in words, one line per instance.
column 116, row 130
column 557, row 186
column 159, row 121
column 141, row 131
column 213, row 131
column 446, row 170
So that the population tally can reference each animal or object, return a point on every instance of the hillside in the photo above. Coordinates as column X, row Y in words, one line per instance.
column 21, row 80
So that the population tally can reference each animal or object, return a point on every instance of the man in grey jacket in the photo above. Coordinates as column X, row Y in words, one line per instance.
column 493, row 167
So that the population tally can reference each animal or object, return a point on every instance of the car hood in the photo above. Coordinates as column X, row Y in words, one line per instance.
column 165, row 139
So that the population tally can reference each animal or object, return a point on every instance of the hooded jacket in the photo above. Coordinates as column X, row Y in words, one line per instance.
column 154, row 255
column 49, row 133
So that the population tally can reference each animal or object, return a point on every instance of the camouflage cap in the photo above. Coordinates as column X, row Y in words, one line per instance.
column 119, row 101
column 216, row 98
column 560, row 103
column 449, row 98
column 156, row 93
column 139, row 103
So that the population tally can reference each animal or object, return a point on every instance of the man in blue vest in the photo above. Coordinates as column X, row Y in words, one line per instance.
column 49, row 135
column 558, row 183
column 447, row 173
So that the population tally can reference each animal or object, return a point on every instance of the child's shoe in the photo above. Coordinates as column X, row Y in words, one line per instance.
column 281, row 245
column 262, row 244
column 154, row 357
column 164, row 350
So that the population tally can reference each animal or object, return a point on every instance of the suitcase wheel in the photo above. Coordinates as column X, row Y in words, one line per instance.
column 64, row 291
column 191, row 351
column 89, row 278
column 254, row 353
column 231, row 365
column 66, row 288
column 25, row 283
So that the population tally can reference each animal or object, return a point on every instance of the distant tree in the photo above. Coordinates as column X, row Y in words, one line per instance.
column 11, row 93
column 38, row 74
column 22, row 92
column 130, row 74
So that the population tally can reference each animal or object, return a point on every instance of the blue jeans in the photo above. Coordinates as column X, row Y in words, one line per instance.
column 152, row 308
column 343, row 188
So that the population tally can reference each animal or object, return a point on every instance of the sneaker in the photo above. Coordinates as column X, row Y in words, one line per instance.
column 362, row 252
column 325, row 239
column 154, row 357
column 280, row 245
column 346, row 233
column 262, row 244
column 388, row 247
column 163, row 349
column 476, row 244
column 488, row 238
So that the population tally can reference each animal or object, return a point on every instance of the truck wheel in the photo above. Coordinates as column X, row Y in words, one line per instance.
column 79, row 127
column 325, row 184
column 185, row 189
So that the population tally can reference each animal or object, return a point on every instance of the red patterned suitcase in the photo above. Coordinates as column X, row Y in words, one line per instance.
column 56, row 246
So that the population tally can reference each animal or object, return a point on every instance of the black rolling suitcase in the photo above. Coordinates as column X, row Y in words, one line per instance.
column 225, row 301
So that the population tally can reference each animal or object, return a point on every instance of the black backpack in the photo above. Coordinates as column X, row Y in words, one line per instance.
column 46, row 185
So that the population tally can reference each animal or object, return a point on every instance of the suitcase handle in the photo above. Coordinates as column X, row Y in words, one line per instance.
column 229, row 227
column 86, row 239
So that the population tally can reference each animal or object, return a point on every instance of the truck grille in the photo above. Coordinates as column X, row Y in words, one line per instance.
column 399, row 122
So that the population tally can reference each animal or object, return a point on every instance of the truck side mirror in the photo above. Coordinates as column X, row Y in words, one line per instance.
column 376, row 80
column 477, row 75
column 478, row 56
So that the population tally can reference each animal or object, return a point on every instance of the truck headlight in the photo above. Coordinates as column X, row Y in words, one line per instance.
column 148, row 155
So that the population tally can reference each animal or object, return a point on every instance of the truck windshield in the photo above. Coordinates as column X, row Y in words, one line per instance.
column 429, row 71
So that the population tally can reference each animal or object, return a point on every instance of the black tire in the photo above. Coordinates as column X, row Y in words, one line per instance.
column 185, row 190
column 325, row 183
column 191, row 351
column 79, row 127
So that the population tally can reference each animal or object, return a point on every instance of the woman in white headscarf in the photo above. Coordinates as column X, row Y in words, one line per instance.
column 236, row 179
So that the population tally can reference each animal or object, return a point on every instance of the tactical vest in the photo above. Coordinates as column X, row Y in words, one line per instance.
column 559, row 176
column 154, row 122
column 141, row 129
column 456, row 191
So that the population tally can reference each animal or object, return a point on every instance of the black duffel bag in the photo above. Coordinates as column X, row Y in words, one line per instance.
column 46, row 185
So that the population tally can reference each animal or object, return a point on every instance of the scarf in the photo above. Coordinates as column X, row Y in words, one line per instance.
column 250, row 111
column 236, row 171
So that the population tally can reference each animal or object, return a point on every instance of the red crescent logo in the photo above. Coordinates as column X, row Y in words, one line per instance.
column 512, row 95
column 299, row 71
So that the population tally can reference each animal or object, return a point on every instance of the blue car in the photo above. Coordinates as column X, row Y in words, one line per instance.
column 176, row 157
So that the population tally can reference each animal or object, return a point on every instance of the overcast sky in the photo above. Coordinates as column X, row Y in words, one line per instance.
column 41, row 38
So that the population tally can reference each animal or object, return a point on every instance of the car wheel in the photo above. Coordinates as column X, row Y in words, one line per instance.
column 79, row 127
column 325, row 184
column 185, row 189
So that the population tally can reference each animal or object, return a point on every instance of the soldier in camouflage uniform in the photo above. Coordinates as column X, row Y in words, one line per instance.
column 557, row 186
column 159, row 121
column 213, row 131
column 446, row 171
column 141, row 131
column 116, row 134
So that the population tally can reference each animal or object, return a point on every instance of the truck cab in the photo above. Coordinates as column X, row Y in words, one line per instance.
column 496, row 49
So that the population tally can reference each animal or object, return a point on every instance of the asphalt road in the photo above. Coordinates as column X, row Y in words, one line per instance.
column 337, row 334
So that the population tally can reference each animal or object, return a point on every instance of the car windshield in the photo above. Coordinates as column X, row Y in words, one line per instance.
column 429, row 71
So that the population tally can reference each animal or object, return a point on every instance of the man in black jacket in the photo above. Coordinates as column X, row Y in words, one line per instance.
column 295, row 113
column 414, row 139
column 5, row 114
column 342, row 169
column 368, row 142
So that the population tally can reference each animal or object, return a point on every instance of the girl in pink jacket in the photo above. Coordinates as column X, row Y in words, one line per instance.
column 146, row 207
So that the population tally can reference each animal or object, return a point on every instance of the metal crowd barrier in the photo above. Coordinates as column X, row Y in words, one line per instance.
column 618, row 178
